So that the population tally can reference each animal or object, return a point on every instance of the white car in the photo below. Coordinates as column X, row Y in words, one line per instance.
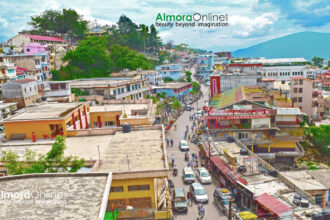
column 203, row 175
column 184, row 145
column 199, row 193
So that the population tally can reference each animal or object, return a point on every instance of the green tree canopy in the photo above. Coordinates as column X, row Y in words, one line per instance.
column 67, row 21
column 317, row 61
column 53, row 161
column 188, row 76
column 320, row 137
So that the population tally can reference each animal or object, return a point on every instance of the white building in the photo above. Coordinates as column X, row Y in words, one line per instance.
column 283, row 72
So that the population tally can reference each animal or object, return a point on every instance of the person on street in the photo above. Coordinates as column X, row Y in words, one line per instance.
column 174, row 127
column 202, row 212
column 193, row 156
column 199, row 206
column 172, row 142
column 172, row 160
column 167, row 142
column 189, row 198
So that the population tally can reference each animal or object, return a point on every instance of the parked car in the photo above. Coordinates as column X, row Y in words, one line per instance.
column 198, row 193
column 189, row 107
column 184, row 145
column 188, row 175
column 179, row 200
column 203, row 175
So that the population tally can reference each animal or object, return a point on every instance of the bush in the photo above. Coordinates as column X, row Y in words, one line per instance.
column 310, row 163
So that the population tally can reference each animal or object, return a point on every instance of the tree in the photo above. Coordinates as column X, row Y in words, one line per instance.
column 176, row 104
column 90, row 59
column 319, row 136
column 144, row 31
column 317, row 61
column 196, row 87
column 188, row 76
column 53, row 161
column 122, row 57
column 67, row 21
column 168, row 79
column 169, row 45
column 154, row 41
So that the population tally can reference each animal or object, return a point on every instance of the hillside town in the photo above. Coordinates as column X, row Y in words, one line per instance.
column 185, row 134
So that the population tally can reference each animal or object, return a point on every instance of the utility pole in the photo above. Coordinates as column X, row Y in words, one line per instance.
column 229, row 211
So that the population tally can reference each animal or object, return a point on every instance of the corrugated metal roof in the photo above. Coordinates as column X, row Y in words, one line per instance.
column 272, row 204
column 288, row 111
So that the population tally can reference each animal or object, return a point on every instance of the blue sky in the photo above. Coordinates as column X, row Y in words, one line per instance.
column 250, row 21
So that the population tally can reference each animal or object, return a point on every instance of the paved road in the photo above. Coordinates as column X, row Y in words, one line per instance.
column 211, row 211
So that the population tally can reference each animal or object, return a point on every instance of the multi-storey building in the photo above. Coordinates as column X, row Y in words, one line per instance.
column 38, row 64
column 244, row 68
column 56, row 46
column 7, row 69
column 173, row 71
column 282, row 73
column 205, row 65
column 59, row 91
column 244, row 113
column 113, row 88
column 22, row 91
column 304, row 94
column 178, row 90
column 46, row 120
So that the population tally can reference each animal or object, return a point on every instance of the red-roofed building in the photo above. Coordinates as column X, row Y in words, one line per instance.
column 269, row 207
column 21, row 39
column 324, row 79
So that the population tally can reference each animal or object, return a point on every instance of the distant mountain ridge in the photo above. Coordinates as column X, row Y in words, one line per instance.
column 303, row 44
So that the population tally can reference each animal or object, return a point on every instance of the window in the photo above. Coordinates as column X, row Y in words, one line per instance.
column 283, row 82
column 294, row 99
column 300, row 99
column 117, row 189
column 27, row 49
column 30, row 89
column 114, row 92
column 242, row 135
column 138, row 187
column 109, row 123
column 295, row 82
column 300, row 82
column 122, row 90
column 118, row 90
column 300, row 90
column 24, row 90
column 318, row 199
column 295, row 90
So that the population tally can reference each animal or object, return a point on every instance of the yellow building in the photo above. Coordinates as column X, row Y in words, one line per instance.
column 139, row 112
column 47, row 120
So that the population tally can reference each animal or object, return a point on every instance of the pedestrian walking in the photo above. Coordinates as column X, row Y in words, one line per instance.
column 196, row 157
column 199, row 207
column 172, row 158
column 172, row 142
column 167, row 142
column 202, row 212
column 189, row 198
column 193, row 156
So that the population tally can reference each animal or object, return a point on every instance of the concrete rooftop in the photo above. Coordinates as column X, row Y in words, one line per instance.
column 143, row 149
column 44, row 111
column 101, row 82
column 304, row 180
column 134, row 151
column 52, row 197
column 171, row 86
column 127, row 108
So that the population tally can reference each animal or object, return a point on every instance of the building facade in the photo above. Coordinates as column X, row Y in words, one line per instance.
column 304, row 94
column 113, row 88
column 22, row 91
column 173, row 71
column 178, row 90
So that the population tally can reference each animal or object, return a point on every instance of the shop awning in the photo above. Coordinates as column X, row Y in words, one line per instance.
column 272, row 204
column 230, row 174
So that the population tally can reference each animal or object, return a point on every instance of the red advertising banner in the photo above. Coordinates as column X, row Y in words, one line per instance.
column 237, row 117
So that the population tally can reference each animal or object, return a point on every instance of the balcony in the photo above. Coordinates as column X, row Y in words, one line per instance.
column 132, row 92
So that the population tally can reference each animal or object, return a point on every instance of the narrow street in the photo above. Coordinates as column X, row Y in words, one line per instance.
column 211, row 210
